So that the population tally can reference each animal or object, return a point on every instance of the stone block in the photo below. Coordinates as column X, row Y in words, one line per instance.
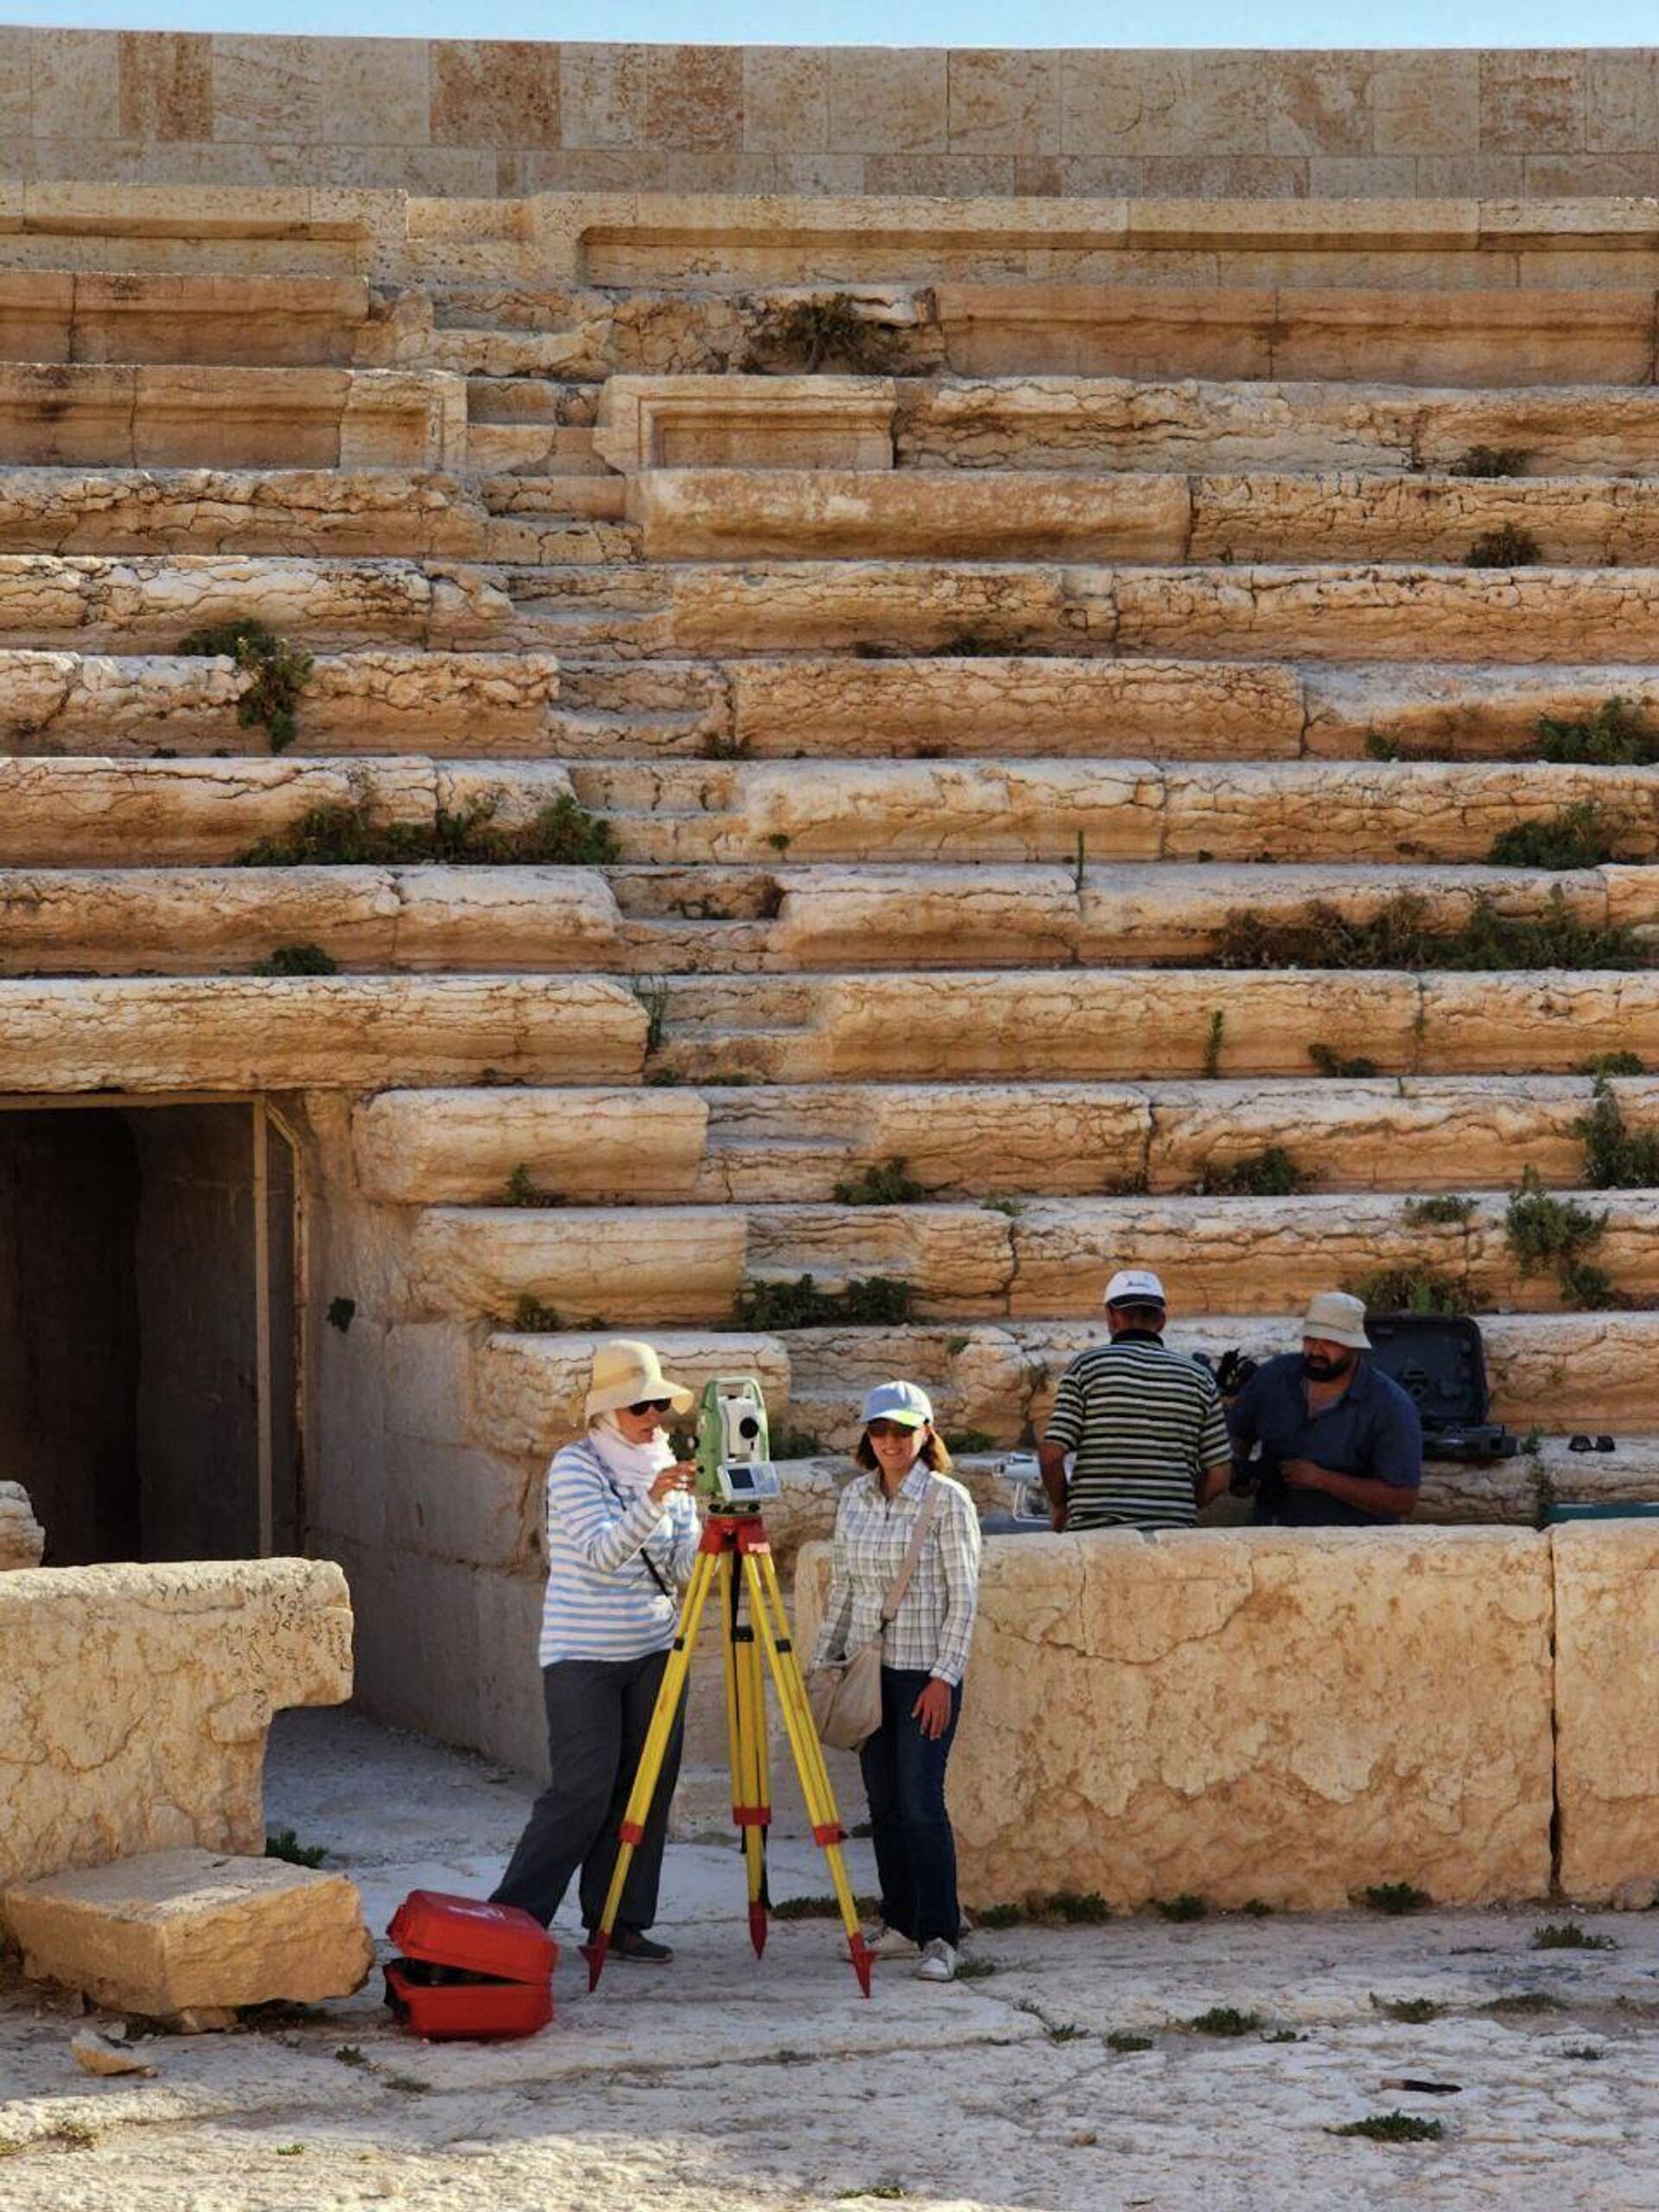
column 186, row 1931
column 193, row 1662
column 786, row 101
column 75, row 84
column 22, row 1540
column 1290, row 1715
column 1425, row 103
column 1004, row 102
column 376, row 92
column 267, row 90
column 465, row 1145
column 694, row 96
column 745, row 423
column 887, row 100
column 601, row 95
column 1607, row 1710
column 166, row 85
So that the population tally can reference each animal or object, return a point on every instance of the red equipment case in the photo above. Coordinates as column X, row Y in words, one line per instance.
column 468, row 1969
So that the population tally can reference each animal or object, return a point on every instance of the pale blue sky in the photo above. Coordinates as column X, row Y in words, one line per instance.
column 901, row 23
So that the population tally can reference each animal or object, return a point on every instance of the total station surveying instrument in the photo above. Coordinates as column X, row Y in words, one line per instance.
column 735, row 1476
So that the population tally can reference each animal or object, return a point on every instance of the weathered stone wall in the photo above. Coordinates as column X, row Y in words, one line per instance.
column 1289, row 1715
column 480, row 118
column 1607, row 1709
column 134, row 1702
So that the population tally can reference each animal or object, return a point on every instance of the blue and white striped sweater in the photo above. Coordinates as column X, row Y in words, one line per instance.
column 601, row 1601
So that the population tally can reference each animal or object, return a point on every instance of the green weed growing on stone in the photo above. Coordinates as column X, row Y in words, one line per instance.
column 1411, row 2012
column 1610, row 1064
column 1490, row 461
column 1411, row 1290
column 344, row 833
column 520, row 1191
column 1392, row 2127
column 1396, row 1898
column 1506, row 547
column 1213, row 1036
column 342, row 1311
column 531, row 1319
column 652, row 991
column 1567, row 1935
column 1546, row 1232
column 1579, row 835
column 1269, row 1173
column 1404, row 934
column 868, row 1300
column 889, row 1184
column 1612, row 735
column 1120, row 2039
column 969, row 1439
column 789, row 1443
column 1223, row 2020
column 1330, row 1061
column 286, row 1845
column 1444, row 1210
column 1615, row 1158
column 299, row 960
column 278, row 672
column 1184, row 1907
column 829, row 330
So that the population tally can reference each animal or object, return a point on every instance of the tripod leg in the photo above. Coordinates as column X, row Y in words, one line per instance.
column 827, row 1831
column 651, row 1758
column 737, row 1645
column 759, row 1790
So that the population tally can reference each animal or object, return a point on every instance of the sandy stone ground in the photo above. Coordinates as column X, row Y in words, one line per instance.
column 719, row 2085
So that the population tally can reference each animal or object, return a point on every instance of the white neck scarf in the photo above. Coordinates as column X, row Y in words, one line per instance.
column 630, row 1467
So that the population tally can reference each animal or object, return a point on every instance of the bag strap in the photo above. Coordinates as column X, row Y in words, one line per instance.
column 642, row 1554
column 901, row 1580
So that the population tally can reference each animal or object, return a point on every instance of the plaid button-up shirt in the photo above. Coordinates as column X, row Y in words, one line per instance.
column 934, row 1625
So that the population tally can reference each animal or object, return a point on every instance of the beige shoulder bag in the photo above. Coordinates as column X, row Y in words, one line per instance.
column 846, row 1693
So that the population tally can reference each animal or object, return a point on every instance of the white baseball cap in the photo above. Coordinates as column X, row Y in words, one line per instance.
column 901, row 1401
column 1134, row 1286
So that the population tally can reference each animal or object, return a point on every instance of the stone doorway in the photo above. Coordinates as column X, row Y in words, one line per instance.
column 148, row 1374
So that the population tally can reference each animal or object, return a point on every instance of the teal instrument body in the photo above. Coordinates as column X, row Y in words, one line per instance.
column 734, row 1468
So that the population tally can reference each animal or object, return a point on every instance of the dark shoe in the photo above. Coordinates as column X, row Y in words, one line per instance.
column 634, row 1943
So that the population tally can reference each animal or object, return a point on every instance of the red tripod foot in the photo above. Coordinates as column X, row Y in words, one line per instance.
column 757, row 1927
column 863, row 1959
column 596, row 1952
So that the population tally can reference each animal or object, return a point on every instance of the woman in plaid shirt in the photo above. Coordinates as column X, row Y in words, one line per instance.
column 924, row 1652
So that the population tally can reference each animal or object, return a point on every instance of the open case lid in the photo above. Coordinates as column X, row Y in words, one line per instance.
column 1438, row 1359
column 499, row 1939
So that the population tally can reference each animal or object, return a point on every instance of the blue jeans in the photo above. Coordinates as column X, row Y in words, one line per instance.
column 904, row 1780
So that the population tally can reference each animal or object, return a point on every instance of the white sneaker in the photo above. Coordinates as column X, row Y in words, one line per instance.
column 938, row 1961
column 883, row 1942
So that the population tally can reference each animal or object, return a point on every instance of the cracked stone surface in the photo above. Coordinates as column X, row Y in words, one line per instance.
column 188, row 1664
column 1146, row 1711
column 728, row 2086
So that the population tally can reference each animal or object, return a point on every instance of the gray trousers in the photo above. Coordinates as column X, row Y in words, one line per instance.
column 598, row 1711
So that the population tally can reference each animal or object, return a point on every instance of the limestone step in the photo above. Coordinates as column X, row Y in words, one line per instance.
column 1564, row 1372
column 1128, row 809
column 1084, row 423
column 335, row 1033
column 1325, row 612
column 1003, row 514
column 1412, row 1135
column 171, row 317
column 111, row 605
column 87, row 415
column 1120, row 1023
column 533, row 448
column 110, row 812
column 376, row 698
column 1388, row 332
column 307, row 511
column 186, row 921
column 1180, row 709
column 1052, row 1259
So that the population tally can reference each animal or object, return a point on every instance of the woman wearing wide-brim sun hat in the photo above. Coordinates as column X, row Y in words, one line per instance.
column 906, row 1569
column 622, row 1535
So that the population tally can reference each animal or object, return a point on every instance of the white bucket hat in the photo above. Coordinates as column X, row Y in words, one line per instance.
column 1338, row 1318
column 903, row 1402
column 625, row 1373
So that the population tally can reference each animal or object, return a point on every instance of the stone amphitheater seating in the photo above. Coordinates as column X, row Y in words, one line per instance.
column 941, row 717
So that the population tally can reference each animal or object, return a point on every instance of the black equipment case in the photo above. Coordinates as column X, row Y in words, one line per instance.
column 1438, row 1359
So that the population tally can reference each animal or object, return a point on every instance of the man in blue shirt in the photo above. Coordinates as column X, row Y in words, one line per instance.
column 1341, row 1444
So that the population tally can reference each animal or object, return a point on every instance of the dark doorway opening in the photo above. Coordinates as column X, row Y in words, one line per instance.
column 147, row 1370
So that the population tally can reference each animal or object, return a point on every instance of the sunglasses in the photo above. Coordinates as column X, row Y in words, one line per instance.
column 883, row 1428
column 653, row 1406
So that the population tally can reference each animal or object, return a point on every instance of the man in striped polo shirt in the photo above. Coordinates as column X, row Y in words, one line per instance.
column 1146, row 1424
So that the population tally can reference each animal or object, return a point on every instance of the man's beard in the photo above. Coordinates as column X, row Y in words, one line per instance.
column 1320, row 1367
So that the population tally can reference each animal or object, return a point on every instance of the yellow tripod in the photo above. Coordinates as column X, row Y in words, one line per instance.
column 735, row 1558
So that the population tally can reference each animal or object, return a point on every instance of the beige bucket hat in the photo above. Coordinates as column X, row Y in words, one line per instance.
column 625, row 1372
column 1338, row 1318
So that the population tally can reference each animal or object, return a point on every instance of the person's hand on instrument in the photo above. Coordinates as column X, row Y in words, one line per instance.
column 679, row 1476
column 932, row 1709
